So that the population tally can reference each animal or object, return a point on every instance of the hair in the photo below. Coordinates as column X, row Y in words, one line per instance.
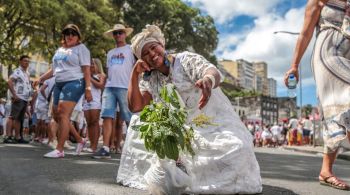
column 72, row 27
column 22, row 57
column 307, row 117
column 98, row 64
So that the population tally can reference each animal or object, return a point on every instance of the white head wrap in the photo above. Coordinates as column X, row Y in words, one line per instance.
column 151, row 33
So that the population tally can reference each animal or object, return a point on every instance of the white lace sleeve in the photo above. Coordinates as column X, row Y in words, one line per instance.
column 145, row 86
column 195, row 65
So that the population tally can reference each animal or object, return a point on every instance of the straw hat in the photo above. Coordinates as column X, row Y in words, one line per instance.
column 118, row 27
column 74, row 28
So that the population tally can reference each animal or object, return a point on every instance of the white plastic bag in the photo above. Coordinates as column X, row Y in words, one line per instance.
column 164, row 178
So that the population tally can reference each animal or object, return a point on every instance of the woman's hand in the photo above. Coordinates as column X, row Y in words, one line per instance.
column 88, row 95
column 205, row 85
column 293, row 70
column 141, row 66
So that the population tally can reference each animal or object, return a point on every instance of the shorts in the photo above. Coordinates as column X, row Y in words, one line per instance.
column 42, row 116
column 68, row 91
column 7, row 110
column 113, row 96
column 92, row 106
column 77, row 116
column 33, row 120
column 306, row 132
column 18, row 109
column 26, row 123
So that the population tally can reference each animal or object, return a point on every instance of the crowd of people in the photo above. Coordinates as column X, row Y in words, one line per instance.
column 67, row 101
column 295, row 132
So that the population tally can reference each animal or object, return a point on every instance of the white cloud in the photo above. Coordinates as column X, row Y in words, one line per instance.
column 225, row 10
column 261, row 44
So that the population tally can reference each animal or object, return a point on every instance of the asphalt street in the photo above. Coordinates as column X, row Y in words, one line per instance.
column 23, row 170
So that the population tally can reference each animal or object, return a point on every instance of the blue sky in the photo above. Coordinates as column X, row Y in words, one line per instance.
column 246, row 31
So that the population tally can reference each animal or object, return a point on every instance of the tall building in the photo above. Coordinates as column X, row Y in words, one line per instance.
column 230, row 66
column 260, row 69
column 272, row 87
column 245, row 74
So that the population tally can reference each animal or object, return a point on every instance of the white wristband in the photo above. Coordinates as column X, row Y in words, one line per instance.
column 212, row 78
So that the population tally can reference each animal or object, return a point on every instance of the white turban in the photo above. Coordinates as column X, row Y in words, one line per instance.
column 151, row 33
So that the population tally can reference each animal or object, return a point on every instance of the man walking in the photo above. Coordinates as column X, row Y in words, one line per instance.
column 120, row 61
column 21, row 90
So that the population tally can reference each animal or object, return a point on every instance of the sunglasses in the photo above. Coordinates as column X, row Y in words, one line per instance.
column 70, row 32
column 118, row 32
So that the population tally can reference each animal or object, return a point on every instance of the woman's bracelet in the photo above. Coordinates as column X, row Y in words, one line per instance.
column 212, row 78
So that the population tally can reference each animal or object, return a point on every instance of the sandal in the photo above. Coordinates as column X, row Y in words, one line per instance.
column 333, row 182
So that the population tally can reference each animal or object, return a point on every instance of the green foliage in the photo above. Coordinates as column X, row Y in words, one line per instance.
column 307, row 110
column 202, row 121
column 35, row 26
column 3, row 87
column 232, row 94
column 184, row 27
column 163, row 126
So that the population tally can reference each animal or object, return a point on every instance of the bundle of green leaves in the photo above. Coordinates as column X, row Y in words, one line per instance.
column 163, row 127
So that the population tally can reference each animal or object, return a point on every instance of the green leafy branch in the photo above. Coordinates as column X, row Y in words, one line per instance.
column 163, row 126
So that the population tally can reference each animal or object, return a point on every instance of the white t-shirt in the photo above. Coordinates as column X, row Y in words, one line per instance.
column 22, row 83
column 307, row 124
column 67, row 62
column 120, row 62
column 79, row 105
column 276, row 130
column 50, row 83
column 41, row 101
column 293, row 123
column 95, row 92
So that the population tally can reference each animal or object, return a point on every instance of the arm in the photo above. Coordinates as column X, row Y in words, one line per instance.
column 42, row 90
column 86, row 72
column 11, row 85
column 46, row 76
column 32, row 103
column 99, row 84
column 312, row 14
column 206, row 84
column 137, row 100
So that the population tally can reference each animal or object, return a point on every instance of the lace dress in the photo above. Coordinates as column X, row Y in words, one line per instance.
column 224, row 163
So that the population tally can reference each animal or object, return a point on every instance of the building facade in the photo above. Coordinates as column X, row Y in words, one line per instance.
column 245, row 74
column 272, row 87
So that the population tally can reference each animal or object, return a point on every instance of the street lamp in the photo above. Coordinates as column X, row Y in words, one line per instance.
column 300, row 80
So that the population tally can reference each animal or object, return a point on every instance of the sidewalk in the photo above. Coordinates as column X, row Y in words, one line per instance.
column 316, row 150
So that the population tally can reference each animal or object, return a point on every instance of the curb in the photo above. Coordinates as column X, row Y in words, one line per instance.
column 339, row 156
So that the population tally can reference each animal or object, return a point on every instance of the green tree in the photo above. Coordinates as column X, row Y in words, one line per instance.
column 3, row 87
column 35, row 26
column 184, row 27
column 307, row 110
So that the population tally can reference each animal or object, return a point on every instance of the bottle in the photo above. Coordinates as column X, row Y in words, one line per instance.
column 292, row 85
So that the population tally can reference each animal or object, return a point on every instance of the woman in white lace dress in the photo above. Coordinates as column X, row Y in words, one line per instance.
column 224, row 162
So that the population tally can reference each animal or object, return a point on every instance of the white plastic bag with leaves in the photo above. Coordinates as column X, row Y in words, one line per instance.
column 165, row 178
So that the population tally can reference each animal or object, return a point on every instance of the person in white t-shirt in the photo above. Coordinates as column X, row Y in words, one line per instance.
column 307, row 127
column 71, row 67
column 92, row 109
column 120, row 62
column 21, row 90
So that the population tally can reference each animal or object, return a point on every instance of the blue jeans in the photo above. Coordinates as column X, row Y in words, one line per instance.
column 113, row 96
column 68, row 91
